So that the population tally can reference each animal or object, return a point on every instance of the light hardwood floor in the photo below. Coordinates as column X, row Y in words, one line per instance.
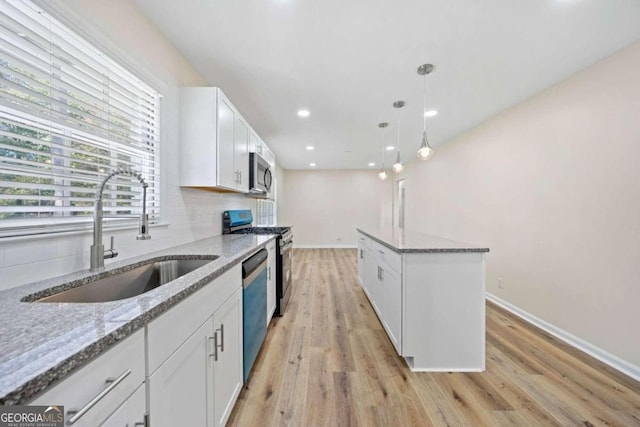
column 328, row 362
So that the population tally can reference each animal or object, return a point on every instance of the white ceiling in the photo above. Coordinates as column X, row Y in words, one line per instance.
column 346, row 61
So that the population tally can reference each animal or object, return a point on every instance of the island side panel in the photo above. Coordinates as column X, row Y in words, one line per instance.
column 444, row 311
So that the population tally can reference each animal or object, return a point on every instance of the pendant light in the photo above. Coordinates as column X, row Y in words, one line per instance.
column 425, row 151
column 398, row 166
column 383, row 174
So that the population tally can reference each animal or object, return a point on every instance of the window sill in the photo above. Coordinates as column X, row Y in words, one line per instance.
column 72, row 233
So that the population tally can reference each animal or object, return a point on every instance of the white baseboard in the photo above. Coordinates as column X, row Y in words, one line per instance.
column 604, row 356
column 325, row 246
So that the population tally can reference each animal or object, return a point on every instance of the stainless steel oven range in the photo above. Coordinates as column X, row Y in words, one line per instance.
column 239, row 222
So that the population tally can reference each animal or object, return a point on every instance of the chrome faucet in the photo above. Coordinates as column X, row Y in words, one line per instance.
column 98, row 254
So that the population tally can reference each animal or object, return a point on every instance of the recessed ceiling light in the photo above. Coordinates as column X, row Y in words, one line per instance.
column 310, row 147
column 303, row 113
column 430, row 113
column 313, row 165
column 371, row 164
column 390, row 148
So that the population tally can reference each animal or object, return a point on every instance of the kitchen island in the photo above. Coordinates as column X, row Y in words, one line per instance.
column 429, row 294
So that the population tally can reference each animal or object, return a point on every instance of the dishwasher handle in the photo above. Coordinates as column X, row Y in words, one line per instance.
column 254, row 262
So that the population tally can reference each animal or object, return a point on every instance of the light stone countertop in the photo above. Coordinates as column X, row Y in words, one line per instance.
column 41, row 343
column 407, row 241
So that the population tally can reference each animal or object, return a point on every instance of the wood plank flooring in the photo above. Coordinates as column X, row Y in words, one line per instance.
column 328, row 362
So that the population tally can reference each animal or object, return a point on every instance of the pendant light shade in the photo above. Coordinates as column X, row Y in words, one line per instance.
column 425, row 151
column 398, row 166
column 382, row 174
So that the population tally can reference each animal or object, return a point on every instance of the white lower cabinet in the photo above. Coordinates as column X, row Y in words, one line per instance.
column 180, row 391
column 227, row 357
column 431, row 304
column 391, row 285
column 93, row 393
column 194, row 367
column 131, row 413
column 271, row 280
column 199, row 382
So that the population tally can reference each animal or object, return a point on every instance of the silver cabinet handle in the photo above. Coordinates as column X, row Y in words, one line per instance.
column 214, row 338
column 269, row 272
column 378, row 272
column 221, row 337
column 381, row 252
column 76, row 415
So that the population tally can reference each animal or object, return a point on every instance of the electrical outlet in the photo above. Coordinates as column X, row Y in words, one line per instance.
column 500, row 282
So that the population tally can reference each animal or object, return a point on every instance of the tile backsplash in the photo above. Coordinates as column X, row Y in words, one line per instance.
column 190, row 214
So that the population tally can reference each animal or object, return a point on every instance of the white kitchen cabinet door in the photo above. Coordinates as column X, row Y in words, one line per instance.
column 227, row 359
column 391, row 305
column 268, row 155
column 130, row 413
column 361, row 269
column 369, row 266
column 181, row 390
column 374, row 281
column 227, row 171
column 271, row 280
column 254, row 141
column 241, row 150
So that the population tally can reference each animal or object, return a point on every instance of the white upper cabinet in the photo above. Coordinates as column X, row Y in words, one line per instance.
column 214, row 141
column 257, row 145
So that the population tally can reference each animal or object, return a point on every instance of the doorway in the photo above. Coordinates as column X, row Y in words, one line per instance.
column 398, row 203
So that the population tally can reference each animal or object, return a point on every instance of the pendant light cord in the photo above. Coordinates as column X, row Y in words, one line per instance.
column 424, row 105
column 398, row 129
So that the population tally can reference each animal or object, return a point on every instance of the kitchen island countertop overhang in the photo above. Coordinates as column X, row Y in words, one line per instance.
column 406, row 241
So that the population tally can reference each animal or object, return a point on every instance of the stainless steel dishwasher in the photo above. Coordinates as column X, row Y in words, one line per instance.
column 254, row 307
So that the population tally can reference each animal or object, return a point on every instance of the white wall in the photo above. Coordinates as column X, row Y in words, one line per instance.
column 191, row 214
column 552, row 186
column 325, row 207
column 281, row 195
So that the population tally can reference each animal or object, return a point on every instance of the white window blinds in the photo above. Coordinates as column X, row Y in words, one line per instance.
column 69, row 115
column 265, row 212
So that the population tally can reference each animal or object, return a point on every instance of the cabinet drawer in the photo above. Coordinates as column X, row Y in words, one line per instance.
column 171, row 329
column 386, row 256
column 123, row 363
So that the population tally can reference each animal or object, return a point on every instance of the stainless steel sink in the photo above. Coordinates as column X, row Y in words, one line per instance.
column 132, row 282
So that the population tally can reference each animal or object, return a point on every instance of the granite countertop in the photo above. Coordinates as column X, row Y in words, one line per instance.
column 41, row 343
column 407, row 241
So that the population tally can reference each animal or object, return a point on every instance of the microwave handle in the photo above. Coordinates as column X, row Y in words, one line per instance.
column 268, row 179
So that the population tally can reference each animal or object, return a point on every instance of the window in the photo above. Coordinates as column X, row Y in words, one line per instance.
column 265, row 212
column 69, row 115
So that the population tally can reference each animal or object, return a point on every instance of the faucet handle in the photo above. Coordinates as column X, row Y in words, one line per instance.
column 111, row 252
column 144, row 228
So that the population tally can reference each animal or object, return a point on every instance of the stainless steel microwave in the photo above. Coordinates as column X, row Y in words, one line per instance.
column 260, row 176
